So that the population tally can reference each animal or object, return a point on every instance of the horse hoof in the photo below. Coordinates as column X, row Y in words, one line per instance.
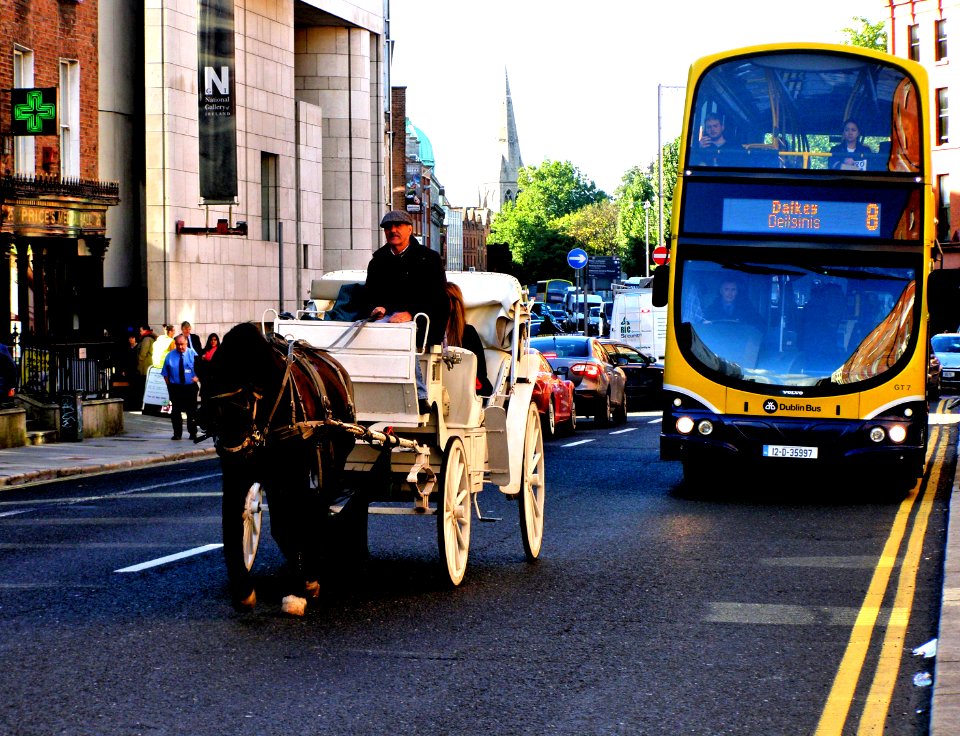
column 312, row 588
column 294, row 605
column 246, row 604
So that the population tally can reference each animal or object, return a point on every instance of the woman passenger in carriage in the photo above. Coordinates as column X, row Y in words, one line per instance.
column 462, row 334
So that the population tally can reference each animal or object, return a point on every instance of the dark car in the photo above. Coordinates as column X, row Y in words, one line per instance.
column 644, row 374
column 553, row 397
column 946, row 347
column 600, row 385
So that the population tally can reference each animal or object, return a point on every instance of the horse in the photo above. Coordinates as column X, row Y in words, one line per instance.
column 275, row 410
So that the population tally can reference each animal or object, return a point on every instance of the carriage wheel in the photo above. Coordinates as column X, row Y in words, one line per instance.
column 242, row 513
column 453, row 510
column 252, row 521
column 533, row 490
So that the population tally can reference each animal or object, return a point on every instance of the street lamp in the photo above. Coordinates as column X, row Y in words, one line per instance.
column 646, row 236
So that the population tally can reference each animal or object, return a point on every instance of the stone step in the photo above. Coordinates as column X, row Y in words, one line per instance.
column 41, row 436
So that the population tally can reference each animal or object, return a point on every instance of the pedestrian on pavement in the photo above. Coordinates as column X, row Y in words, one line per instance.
column 403, row 279
column 209, row 350
column 192, row 340
column 181, row 378
column 144, row 359
column 162, row 345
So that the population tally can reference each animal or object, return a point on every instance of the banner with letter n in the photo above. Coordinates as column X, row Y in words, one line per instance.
column 33, row 111
column 217, row 102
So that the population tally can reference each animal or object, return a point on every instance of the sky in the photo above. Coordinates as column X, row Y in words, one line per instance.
column 584, row 84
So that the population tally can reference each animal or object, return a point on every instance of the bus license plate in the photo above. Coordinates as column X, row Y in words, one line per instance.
column 791, row 451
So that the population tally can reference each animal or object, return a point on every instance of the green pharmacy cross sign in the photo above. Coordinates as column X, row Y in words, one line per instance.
column 33, row 111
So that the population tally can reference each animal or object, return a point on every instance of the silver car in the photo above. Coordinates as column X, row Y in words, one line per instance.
column 600, row 386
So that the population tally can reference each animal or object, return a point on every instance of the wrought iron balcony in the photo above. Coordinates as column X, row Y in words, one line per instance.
column 28, row 186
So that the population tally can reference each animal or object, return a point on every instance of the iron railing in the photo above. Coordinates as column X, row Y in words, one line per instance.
column 51, row 371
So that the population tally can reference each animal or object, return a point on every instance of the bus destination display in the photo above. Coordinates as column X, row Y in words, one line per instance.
column 801, row 217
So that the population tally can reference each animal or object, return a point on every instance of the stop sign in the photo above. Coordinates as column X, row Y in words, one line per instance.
column 661, row 255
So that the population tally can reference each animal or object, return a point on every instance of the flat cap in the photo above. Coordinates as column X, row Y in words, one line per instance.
column 396, row 216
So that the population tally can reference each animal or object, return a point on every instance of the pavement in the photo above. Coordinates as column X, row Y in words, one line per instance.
column 146, row 441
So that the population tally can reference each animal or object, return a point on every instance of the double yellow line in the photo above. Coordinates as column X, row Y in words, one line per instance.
column 840, row 700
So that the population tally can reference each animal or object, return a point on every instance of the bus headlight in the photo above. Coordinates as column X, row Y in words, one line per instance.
column 684, row 425
column 705, row 427
column 877, row 434
column 898, row 433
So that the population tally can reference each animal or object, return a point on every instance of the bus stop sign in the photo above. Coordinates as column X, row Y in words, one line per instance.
column 577, row 258
column 661, row 255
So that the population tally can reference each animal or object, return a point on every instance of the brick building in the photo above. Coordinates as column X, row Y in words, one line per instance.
column 917, row 29
column 53, row 207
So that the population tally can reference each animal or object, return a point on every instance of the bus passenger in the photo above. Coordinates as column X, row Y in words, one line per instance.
column 714, row 145
column 850, row 154
column 728, row 307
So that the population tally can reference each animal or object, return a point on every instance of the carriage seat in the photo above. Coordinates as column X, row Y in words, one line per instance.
column 459, row 380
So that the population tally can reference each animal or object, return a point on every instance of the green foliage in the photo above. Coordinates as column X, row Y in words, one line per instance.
column 594, row 226
column 868, row 35
column 531, row 226
column 634, row 223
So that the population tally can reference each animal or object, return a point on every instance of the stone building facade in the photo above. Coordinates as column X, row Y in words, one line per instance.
column 312, row 157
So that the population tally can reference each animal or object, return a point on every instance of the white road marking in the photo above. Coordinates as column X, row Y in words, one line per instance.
column 14, row 513
column 943, row 418
column 658, row 420
column 578, row 442
column 118, row 494
column 628, row 429
column 724, row 612
column 170, row 558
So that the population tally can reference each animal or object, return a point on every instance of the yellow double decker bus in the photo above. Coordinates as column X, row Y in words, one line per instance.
column 801, row 244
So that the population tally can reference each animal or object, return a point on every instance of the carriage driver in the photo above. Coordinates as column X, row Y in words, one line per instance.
column 404, row 278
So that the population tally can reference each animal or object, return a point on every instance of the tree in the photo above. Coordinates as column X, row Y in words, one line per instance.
column 634, row 222
column 868, row 35
column 594, row 227
column 530, row 226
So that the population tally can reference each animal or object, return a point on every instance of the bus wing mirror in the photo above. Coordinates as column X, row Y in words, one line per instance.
column 661, row 285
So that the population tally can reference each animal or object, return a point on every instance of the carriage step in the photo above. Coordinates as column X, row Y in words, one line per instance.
column 390, row 510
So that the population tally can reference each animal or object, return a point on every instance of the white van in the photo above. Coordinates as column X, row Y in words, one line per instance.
column 637, row 322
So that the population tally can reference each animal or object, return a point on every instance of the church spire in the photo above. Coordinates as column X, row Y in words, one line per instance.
column 509, row 141
column 504, row 189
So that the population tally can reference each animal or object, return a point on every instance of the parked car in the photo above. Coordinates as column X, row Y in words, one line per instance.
column 934, row 371
column 554, row 399
column 600, row 386
column 946, row 347
column 644, row 374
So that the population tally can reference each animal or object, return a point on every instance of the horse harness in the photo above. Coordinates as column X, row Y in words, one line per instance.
column 298, row 355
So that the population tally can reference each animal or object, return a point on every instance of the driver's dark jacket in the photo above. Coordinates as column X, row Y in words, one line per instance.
column 414, row 281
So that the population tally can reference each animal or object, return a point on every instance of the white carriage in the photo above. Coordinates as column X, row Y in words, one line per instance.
column 439, row 462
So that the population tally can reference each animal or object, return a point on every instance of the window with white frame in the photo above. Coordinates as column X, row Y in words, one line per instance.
column 69, row 117
column 24, row 147
column 943, row 207
column 941, row 33
column 943, row 117
column 913, row 42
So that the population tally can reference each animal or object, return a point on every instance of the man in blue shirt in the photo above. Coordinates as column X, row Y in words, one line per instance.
column 181, row 379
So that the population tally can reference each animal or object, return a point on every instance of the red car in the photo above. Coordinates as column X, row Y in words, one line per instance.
column 554, row 399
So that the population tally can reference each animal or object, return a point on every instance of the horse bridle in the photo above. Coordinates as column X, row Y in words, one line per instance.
column 303, row 428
